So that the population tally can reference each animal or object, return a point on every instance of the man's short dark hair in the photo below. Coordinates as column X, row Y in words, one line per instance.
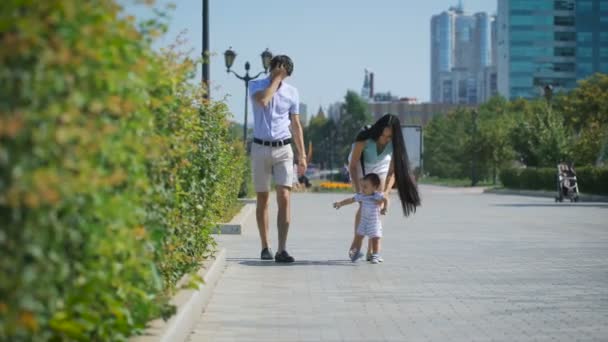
column 373, row 178
column 282, row 60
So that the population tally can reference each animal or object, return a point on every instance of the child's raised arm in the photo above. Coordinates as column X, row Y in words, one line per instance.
column 342, row 203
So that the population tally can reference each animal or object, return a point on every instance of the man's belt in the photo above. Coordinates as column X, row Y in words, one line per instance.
column 277, row 143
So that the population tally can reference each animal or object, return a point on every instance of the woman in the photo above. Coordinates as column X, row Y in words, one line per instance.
column 380, row 149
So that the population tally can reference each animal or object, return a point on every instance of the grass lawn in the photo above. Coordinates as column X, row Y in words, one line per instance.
column 455, row 182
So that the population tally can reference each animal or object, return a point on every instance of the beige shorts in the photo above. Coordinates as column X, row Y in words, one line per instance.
column 270, row 163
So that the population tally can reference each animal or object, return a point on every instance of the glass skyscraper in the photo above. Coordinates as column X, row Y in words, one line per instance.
column 461, row 57
column 591, row 37
column 442, row 49
column 549, row 42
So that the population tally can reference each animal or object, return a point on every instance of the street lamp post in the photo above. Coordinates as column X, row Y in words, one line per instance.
column 205, row 53
column 474, row 148
column 229, row 57
column 548, row 93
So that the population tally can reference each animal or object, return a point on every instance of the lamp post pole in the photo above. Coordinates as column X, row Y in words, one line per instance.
column 229, row 57
column 205, row 53
column 474, row 148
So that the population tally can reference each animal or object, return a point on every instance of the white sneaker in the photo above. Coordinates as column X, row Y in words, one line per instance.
column 368, row 257
column 376, row 259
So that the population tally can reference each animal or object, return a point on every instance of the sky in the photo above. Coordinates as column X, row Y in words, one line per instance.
column 330, row 41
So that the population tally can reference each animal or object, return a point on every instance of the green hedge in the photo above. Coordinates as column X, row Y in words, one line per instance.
column 112, row 172
column 591, row 180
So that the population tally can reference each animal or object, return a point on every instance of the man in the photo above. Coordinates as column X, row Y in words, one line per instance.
column 275, row 107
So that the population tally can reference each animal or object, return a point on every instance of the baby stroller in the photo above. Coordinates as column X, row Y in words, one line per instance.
column 567, row 186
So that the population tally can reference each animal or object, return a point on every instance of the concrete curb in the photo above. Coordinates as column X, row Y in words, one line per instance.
column 189, row 303
column 544, row 194
column 235, row 226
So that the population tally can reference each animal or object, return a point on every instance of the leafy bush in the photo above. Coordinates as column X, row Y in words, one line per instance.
column 590, row 179
column 112, row 172
column 593, row 180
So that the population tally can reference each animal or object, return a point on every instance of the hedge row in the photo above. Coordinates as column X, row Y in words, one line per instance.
column 112, row 172
column 591, row 180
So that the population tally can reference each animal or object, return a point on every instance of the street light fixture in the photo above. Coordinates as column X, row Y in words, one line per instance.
column 548, row 92
column 229, row 57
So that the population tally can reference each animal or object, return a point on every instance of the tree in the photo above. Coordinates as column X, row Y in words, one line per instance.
column 315, row 133
column 585, row 111
column 539, row 136
column 448, row 145
column 495, row 125
column 355, row 115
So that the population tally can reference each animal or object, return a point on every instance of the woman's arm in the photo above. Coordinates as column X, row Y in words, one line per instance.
column 390, row 178
column 355, row 161
column 384, row 205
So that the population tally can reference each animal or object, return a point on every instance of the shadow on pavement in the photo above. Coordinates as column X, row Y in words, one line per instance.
column 586, row 205
column 267, row 263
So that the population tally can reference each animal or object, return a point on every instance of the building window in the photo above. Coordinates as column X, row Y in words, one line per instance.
column 530, row 5
column 565, row 36
column 521, row 82
column 563, row 67
column 528, row 20
column 522, row 67
column 584, row 37
column 603, row 52
column 604, row 6
column 563, row 21
column 563, row 5
column 584, row 6
column 529, row 36
column 584, row 69
column 564, row 52
column 604, row 37
column 584, row 52
column 517, row 51
column 604, row 19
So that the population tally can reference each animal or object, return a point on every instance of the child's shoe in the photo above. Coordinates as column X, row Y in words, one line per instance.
column 369, row 257
column 355, row 255
column 376, row 259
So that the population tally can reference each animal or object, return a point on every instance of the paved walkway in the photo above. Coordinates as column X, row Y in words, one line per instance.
column 466, row 267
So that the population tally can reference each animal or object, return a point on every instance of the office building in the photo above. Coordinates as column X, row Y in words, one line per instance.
column 537, row 43
column 462, row 57
column 591, row 18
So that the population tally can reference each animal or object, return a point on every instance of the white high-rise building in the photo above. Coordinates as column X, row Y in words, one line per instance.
column 462, row 57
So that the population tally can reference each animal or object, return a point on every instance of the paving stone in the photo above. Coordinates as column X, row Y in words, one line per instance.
column 466, row 267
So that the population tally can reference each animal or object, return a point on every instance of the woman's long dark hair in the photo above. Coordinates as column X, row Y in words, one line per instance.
column 408, row 191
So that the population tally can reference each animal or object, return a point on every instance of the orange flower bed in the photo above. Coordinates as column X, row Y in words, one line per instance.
column 335, row 185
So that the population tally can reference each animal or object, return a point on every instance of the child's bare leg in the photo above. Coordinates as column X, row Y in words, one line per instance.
column 357, row 242
column 357, row 220
column 375, row 242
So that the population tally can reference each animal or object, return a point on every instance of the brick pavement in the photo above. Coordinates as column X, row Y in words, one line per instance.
column 466, row 267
